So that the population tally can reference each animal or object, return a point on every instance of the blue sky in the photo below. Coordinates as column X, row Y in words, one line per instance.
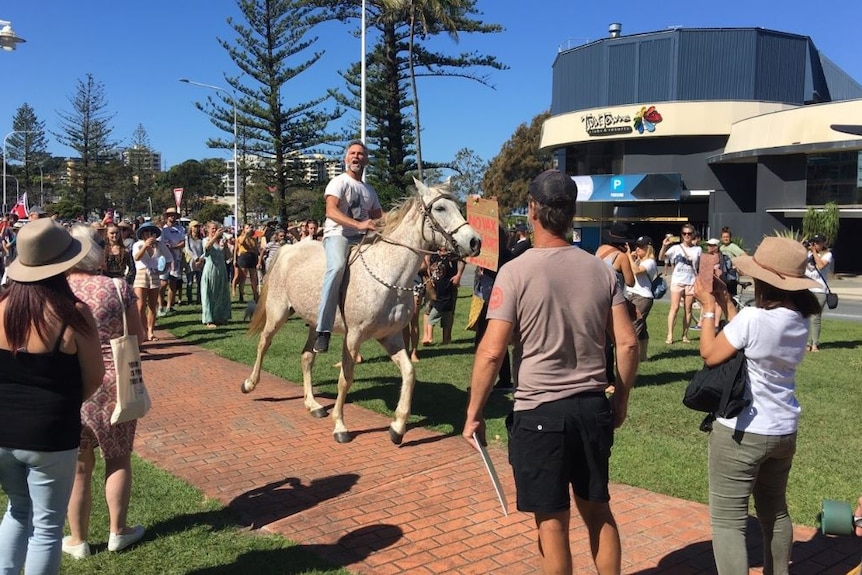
column 139, row 50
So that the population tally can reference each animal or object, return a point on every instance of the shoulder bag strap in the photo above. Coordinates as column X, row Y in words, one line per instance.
column 122, row 305
column 826, row 283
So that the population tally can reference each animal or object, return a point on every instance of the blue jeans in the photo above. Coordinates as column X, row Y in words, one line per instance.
column 38, row 485
column 336, row 249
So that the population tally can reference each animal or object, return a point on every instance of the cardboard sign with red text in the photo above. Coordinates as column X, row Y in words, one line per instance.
column 484, row 216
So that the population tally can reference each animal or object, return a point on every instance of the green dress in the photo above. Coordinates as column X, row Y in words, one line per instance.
column 215, row 291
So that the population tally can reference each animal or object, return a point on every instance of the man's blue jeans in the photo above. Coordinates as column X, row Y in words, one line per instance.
column 336, row 249
column 38, row 485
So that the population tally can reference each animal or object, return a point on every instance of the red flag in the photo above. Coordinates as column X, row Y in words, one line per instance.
column 20, row 208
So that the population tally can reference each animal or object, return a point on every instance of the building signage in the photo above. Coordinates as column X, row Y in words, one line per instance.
column 607, row 124
column 629, row 188
column 614, row 124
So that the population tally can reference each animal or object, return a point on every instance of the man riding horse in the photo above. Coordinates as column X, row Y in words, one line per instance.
column 351, row 208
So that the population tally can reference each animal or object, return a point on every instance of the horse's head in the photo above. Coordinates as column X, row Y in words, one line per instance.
column 444, row 225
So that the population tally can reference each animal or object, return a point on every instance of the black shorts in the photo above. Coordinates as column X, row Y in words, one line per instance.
column 561, row 444
column 247, row 260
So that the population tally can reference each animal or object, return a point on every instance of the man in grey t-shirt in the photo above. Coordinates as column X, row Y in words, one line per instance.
column 558, row 304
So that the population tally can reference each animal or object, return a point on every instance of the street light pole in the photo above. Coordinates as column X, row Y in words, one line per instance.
column 6, row 137
column 235, row 157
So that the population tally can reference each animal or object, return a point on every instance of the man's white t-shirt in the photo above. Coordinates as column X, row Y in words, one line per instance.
column 355, row 198
column 774, row 344
column 684, row 261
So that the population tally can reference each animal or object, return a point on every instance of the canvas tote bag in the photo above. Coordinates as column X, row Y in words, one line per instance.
column 133, row 401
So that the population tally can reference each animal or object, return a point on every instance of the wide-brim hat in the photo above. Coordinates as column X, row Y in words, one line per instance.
column 780, row 262
column 172, row 211
column 45, row 249
column 148, row 227
column 617, row 234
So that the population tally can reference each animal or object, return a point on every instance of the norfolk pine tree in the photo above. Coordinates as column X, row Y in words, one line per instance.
column 29, row 146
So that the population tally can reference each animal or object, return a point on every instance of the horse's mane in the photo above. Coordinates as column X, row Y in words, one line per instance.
column 395, row 216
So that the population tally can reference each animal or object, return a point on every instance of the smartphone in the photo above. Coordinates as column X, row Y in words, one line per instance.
column 673, row 239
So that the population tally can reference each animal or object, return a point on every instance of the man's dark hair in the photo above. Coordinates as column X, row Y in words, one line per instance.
column 555, row 219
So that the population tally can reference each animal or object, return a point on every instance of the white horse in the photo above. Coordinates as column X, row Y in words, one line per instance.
column 378, row 299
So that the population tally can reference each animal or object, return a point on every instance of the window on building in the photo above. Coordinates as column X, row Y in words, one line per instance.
column 835, row 177
column 595, row 158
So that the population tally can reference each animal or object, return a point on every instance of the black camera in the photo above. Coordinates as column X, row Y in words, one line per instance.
column 806, row 243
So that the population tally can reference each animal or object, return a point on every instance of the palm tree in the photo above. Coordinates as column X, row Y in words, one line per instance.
column 428, row 14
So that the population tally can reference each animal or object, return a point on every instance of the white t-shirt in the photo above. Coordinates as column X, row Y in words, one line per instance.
column 355, row 198
column 812, row 272
column 151, row 262
column 774, row 344
column 684, row 261
column 643, row 280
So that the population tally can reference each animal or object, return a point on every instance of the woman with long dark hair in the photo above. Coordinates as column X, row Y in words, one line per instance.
column 50, row 361
column 751, row 454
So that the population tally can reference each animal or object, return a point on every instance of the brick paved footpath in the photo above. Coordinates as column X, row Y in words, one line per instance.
column 426, row 507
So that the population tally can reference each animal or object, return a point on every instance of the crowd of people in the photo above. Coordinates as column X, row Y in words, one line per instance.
column 576, row 349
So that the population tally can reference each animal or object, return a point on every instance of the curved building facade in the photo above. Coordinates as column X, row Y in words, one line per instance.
column 716, row 127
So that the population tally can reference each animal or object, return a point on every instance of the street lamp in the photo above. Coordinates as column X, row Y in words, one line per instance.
column 17, row 189
column 8, row 38
column 6, row 137
column 235, row 157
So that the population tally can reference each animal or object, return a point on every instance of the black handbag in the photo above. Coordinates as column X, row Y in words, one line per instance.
column 831, row 296
column 720, row 391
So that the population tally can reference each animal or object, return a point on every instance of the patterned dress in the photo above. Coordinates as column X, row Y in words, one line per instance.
column 215, row 291
column 99, row 293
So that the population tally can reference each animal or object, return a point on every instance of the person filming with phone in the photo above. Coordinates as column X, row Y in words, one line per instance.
column 684, row 257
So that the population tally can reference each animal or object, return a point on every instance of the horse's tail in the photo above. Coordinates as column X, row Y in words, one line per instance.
column 258, row 320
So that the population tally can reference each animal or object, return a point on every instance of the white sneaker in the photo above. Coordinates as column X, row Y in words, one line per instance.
column 79, row 551
column 120, row 542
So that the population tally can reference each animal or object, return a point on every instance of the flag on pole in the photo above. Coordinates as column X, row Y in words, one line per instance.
column 21, row 209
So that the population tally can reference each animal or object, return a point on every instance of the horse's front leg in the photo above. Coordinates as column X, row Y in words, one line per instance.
column 349, row 352
column 311, row 404
column 274, row 320
column 394, row 346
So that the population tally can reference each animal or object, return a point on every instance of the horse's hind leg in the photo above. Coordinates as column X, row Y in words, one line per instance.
column 308, row 355
column 273, row 324
column 345, row 379
column 394, row 346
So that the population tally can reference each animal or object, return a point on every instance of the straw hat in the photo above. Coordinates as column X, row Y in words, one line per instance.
column 45, row 249
column 780, row 262
column 172, row 211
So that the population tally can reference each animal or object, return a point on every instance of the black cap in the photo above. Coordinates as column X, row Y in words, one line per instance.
column 818, row 238
column 554, row 188
column 38, row 210
column 521, row 227
column 643, row 241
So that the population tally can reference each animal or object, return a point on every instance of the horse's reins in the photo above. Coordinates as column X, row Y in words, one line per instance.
column 435, row 225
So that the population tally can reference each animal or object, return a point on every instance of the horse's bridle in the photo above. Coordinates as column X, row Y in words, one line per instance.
column 435, row 225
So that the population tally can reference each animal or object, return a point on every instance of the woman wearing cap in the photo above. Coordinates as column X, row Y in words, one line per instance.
column 642, row 261
column 818, row 268
column 50, row 361
column 146, row 253
column 752, row 453
column 115, row 441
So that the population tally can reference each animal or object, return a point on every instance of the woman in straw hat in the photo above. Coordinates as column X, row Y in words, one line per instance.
column 50, row 361
column 110, row 308
column 752, row 453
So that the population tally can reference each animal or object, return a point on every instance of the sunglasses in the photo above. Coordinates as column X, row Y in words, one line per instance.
column 688, row 233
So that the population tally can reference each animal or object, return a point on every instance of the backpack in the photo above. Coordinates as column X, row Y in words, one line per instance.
column 658, row 287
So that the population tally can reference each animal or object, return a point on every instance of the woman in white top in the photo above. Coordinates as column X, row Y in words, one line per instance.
column 684, row 258
column 146, row 253
column 818, row 268
column 751, row 454
column 643, row 265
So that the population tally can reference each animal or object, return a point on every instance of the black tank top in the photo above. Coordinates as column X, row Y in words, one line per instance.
column 40, row 400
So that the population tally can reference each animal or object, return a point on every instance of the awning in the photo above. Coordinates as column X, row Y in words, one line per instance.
column 629, row 187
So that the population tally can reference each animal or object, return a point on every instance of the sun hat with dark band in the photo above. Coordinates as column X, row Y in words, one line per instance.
column 780, row 262
column 45, row 249
column 617, row 234
column 554, row 188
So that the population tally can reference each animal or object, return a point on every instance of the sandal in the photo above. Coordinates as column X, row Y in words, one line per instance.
column 686, row 340
column 668, row 342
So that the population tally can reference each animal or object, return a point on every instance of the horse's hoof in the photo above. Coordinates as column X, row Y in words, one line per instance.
column 342, row 437
column 246, row 387
column 319, row 413
column 396, row 437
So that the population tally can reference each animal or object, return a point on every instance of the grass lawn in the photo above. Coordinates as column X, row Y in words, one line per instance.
column 659, row 448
